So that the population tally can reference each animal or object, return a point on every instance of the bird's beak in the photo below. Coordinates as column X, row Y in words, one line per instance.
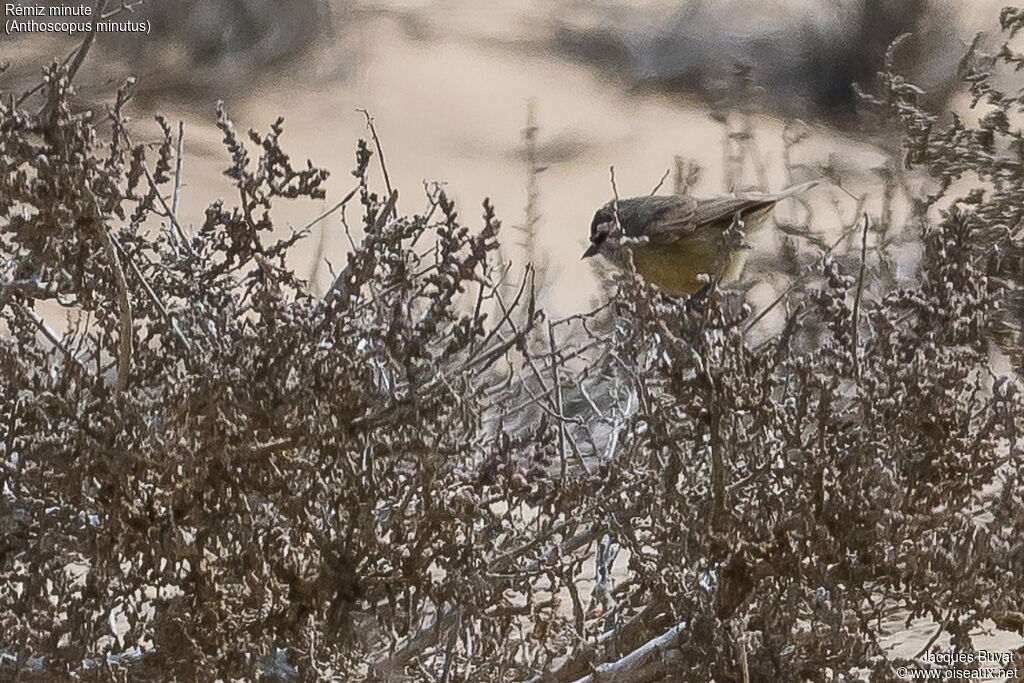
column 591, row 250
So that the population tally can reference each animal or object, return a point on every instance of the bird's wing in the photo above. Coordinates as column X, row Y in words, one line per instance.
column 685, row 218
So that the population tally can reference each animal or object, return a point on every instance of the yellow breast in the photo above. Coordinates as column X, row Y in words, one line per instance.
column 676, row 267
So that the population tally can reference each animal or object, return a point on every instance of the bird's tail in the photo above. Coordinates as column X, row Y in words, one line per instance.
column 799, row 188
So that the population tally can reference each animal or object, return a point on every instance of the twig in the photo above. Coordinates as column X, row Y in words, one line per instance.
column 640, row 624
column 532, row 217
column 643, row 663
column 581, row 316
column 126, row 6
column 719, row 514
column 615, row 201
column 124, row 343
column 541, row 402
column 935, row 636
column 449, row 656
column 79, row 57
column 87, row 43
column 30, row 287
column 418, row 643
column 331, row 210
column 378, row 225
column 799, row 280
column 318, row 254
column 856, row 300
column 603, row 562
column 506, row 318
column 558, row 398
column 661, row 182
column 163, row 202
column 744, row 666
column 178, row 168
column 51, row 336
column 151, row 294
column 380, row 152
column 42, row 83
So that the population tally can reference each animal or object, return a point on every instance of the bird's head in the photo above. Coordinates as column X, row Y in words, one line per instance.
column 602, row 229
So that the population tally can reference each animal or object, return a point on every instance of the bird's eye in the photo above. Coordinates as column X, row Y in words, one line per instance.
column 599, row 237
column 599, row 225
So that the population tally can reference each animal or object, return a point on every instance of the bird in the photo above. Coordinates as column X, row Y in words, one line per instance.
column 678, row 242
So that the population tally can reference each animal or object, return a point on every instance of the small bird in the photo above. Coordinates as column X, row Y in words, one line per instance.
column 677, row 239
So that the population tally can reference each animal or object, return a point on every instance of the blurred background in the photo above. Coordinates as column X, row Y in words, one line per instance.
column 529, row 102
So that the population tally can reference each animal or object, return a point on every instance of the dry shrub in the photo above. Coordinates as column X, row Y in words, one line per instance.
column 210, row 472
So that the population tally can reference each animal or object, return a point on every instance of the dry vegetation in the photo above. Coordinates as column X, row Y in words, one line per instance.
column 209, row 472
